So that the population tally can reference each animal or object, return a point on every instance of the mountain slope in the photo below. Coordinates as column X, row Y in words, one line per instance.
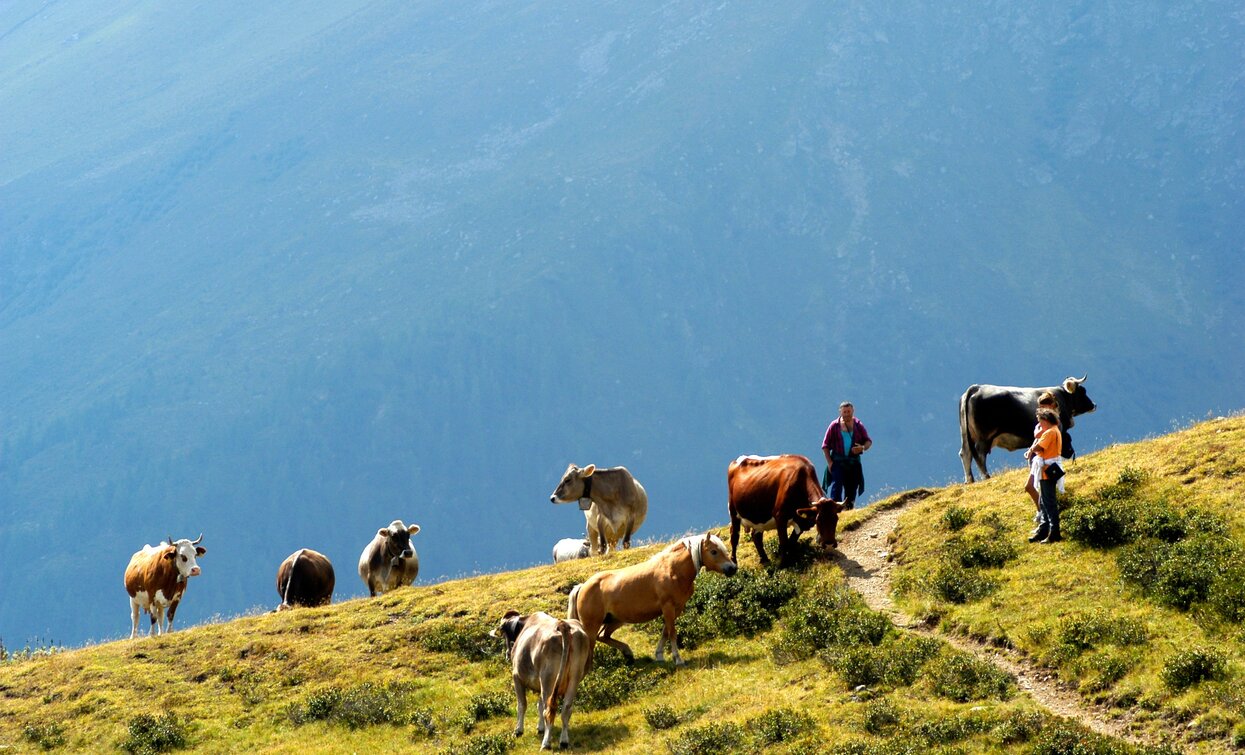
column 283, row 274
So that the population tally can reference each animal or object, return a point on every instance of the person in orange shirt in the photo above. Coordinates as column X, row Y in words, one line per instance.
column 1047, row 447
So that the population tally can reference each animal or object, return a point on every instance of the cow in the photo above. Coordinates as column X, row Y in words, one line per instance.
column 618, row 503
column 569, row 549
column 549, row 657
column 305, row 578
column 389, row 561
column 660, row 586
column 156, row 579
column 777, row 493
column 995, row 416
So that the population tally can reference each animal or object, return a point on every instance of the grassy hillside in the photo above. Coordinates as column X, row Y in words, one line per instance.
column 415, row 670
column 1139, row 608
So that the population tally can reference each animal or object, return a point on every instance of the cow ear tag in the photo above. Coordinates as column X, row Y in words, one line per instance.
column 585, row 504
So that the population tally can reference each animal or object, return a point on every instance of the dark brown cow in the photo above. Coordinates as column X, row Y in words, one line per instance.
column 305, row 578
column 768, row 492
column 156, row 579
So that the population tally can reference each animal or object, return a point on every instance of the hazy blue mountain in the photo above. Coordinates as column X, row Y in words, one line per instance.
column 282, row 272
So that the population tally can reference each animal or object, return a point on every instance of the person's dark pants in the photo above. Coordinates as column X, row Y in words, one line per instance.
column 1050, row 506
column 843, row 485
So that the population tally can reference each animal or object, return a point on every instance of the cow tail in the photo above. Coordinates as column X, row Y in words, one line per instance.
column 564, row 629
column 285, row 597
column 572, row 611
column 966, row 428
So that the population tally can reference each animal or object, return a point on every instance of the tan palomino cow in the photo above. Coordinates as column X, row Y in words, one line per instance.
column 618, row 503
column 156, row 579
column 661, row 586
column 549, row 657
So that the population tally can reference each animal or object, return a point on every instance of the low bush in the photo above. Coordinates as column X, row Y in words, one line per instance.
column 711, row 739
column 824, row 616
column 1107, row 669
column 949, row 729
column 956, row 518
column 660, row 717
column 961, row 677
column 466, row 639
column 955, row 584
column 740, row 606
column 1060, row 736
column 1159, row 519
column 486, row 705
column 893, row 663
column 1227, row 592
column 1193, row 564
column 984, row 551
column 150, row 734
column 1139, row 561
column 46, row 737
column 881, row 717
column 1100, row 523
column 1097, row 628
column 1018, row 727
column 779, row 725
column 614, row 681
column 356, row 707
column 1189, row 667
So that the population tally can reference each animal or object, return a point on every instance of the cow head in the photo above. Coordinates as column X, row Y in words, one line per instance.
column 573, row 484
column 397, row 540
column 183, row 555
column 1077, row 400
column 825, row 514
column 715, row 557
column 510, row 627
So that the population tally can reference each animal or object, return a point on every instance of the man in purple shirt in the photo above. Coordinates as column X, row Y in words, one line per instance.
column 846, row 439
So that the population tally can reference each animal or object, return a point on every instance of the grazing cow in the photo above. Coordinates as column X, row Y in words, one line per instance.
column 660, row 586
column 618, row 503
column 549, row 657
column 1003, row 416
column 389, row 561
column 156, row 580
column 305, row 578
column 774, row 493
column 569, row 549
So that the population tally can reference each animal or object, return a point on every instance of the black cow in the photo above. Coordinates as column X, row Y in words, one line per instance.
column 305, row 578
column 1003, row 417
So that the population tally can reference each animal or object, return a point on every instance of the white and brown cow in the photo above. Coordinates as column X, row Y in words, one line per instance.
column 156, row 580
column 778, row 493
column 389, row 561
column 550, row 657
column 305, row 578
column 617, row 503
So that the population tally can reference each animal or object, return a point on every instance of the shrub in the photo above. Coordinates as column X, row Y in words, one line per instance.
column 46, row 737
column 894, row 663
column 1158, row 519
column 1227, row 591
column 955, row 584
column 856, row 665
column 906, row 656
column 357, row 707
column 881, row 716
column 956, row 518
column 1019, row 726
column 1097, row 628
column 1189, row 667
column 1101, row 523
column 985, row 550
column 614, row 681
column 779, row 725
column 1203, row 522
column 816, row 620
column 468, row 640
column 1108, row 669
column 961, row 677
column 945, row 730
column 483, row 744
column 149, row 734
column 1185, row 577
column 660, row 717
column 712, row 739
column 739, row 606
column 488, row 705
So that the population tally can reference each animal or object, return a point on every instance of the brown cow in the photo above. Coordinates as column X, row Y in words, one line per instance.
column 549, row 657
column 389, row 561
column 617, row 508
column 305, row 578
column 156, row 579
column 768, row 492
column 660, row 586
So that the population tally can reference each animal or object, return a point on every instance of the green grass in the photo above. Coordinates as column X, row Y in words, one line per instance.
column 789, row 661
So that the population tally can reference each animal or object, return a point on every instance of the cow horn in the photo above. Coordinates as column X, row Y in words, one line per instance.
column 196, row 542
column 171, row 540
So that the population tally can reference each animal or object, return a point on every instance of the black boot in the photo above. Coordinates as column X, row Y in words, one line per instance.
column 1039, row 534
column 1053, row 537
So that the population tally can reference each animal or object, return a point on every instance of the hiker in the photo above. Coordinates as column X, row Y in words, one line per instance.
column 1044, row 461
column 1045, row 401
column 846, row 439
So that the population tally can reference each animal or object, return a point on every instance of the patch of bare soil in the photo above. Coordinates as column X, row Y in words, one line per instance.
column 864, row 556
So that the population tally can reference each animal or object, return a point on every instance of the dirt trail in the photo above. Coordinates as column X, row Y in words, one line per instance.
column 863, row 555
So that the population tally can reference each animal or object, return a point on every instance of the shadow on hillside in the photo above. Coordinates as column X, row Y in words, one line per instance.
column 592, row 737
column 851, row 567
column 698, row 659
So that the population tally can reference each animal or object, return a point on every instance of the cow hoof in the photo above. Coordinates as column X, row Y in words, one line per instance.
column 564, row 745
